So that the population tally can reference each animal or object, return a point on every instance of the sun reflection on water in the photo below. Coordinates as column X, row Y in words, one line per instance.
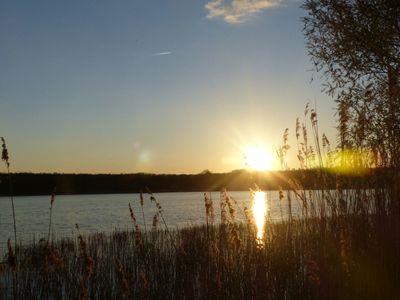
column 259, row 212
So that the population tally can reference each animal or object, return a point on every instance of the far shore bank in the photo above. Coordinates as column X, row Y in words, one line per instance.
column 36, row 184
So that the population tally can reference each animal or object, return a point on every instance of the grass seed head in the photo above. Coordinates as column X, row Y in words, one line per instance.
column 53, row 197
column 12, row 259
column 4, row 152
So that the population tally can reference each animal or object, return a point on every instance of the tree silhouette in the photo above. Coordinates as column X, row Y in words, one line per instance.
column 355, row 44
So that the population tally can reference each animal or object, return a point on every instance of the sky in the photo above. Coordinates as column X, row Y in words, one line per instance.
column 152, row 86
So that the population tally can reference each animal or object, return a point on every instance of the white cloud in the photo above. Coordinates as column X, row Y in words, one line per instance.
column 162, row 53
column 236, row 11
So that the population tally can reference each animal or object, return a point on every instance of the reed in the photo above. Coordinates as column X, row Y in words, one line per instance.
column 141, row 205
column 314, row 261
column 52, row 198
column 6, row 159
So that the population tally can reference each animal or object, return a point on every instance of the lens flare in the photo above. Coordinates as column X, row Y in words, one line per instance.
column 259, row 212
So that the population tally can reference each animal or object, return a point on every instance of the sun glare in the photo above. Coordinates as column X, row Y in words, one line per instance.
column 259, row 213
column 258, row 159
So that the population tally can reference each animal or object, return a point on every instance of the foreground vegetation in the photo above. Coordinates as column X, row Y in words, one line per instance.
column 342, row 253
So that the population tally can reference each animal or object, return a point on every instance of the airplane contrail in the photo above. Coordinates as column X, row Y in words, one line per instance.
column 162, row 53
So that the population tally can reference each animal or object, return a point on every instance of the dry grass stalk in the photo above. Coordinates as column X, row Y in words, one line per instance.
column 11, row 258
column 122, row 279
column 141, row 205
column 6, row 159
column 138, row 234
column 208, row 203
column 52, row 199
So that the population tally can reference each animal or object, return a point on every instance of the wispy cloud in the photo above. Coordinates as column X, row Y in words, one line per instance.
column 162, row 53
column 236, row 11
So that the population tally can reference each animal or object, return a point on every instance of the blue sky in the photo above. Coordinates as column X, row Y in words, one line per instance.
column 151, row 86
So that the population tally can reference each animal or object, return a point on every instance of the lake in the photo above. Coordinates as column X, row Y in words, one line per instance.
column 94, row 213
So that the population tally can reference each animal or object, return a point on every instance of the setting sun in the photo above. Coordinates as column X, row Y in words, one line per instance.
column 258, row 158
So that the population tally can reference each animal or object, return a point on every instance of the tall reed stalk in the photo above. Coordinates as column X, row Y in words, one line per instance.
column 6, row 159
column 52, row 198
column 141, row 205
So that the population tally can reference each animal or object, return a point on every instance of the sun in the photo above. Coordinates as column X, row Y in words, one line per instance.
column 258, row 158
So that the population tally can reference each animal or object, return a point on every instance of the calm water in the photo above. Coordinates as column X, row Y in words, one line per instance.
column 108, row 212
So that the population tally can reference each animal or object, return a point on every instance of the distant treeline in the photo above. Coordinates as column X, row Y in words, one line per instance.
column 238, row 180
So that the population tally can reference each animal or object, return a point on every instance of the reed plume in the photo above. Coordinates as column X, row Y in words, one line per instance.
column 6, row 159
column 141, row 205
column 208, row 203
column 52, row 199
column 138, row 235
column 122, row 278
